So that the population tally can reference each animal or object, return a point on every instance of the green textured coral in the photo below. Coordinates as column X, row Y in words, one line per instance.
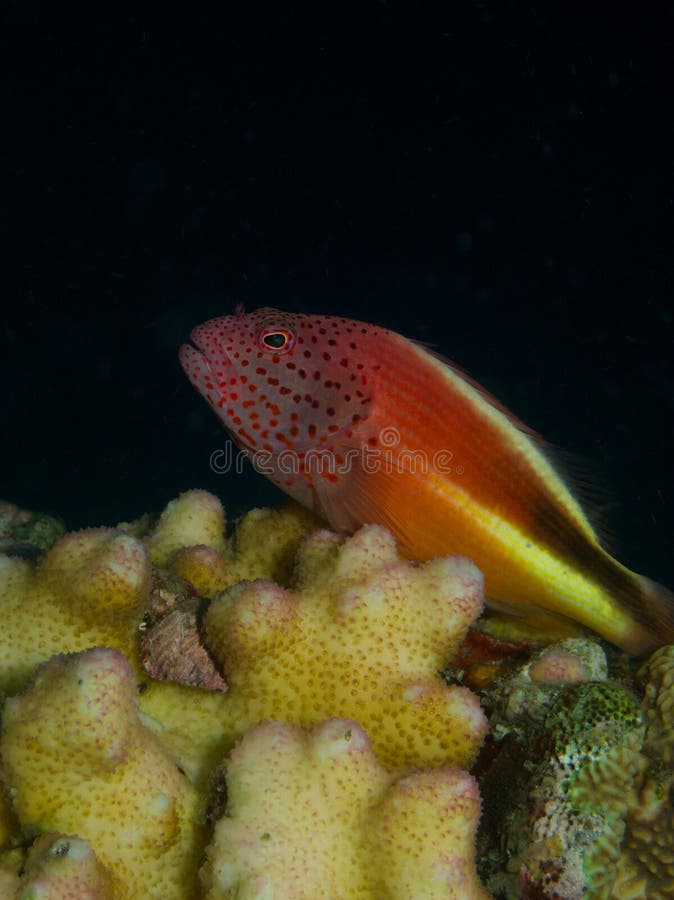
column 572, row 780
column 24, row 527
column 589, row 717
column 588, row 812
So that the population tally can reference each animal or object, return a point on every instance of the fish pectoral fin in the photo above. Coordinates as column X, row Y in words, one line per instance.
column 364, row 494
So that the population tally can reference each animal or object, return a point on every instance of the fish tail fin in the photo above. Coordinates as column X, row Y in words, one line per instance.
column 641, row 616
column 658, row 606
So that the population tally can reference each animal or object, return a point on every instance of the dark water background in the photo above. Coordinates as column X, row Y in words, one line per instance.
column 495, row 178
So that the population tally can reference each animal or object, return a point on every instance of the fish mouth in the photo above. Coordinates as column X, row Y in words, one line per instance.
column 207, row 366
column 193, row 358
column 198, row 344
column 196, row 351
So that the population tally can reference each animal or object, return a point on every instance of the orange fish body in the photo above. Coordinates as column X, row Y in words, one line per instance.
column 363, row 425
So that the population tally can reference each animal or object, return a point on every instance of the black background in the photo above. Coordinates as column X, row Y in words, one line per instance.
column 494, row 178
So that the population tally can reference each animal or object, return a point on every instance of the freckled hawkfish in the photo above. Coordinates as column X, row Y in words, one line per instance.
column 365, row 426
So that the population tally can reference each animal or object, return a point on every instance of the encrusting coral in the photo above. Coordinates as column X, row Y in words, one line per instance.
column 524, row 697
column 79, row 761
column 25, row 533
column 362, row 636
column 545, row 834
column 313, row 814
column 645, row 866
column 588, row 812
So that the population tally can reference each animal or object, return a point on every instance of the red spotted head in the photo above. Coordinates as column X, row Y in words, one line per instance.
column 288, row 387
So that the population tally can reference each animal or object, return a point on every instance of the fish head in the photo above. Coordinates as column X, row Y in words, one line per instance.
column 288, row 387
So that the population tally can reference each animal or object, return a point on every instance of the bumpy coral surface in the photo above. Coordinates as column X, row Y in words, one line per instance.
column 362, row 636
column 196, row 518
column 58, row 867
column 190, row 540
column 88, row 590
column 314, row 815
column 657, row 677
column 340, row 628
column 8, row 823
column 77, row 760
column 645, row 867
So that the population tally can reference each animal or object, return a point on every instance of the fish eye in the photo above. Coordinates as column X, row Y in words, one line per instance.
column 275, row 338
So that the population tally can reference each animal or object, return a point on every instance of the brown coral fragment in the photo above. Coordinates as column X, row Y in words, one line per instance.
column 172, row 650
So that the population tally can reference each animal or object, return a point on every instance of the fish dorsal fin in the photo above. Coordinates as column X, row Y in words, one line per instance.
column 575, row 470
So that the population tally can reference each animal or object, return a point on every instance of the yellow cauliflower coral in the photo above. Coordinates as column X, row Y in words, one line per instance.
column 8, row 822
column 314, row 814
column 190, row 540
column 58, row 867
column 195, row 518
column 88, row 590
column 363, row 637
column 77, row 760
